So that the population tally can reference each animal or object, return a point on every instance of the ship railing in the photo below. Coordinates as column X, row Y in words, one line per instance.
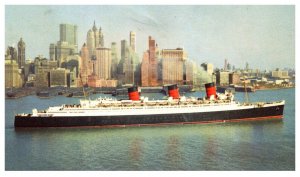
column 122, row 107
column 153, row 104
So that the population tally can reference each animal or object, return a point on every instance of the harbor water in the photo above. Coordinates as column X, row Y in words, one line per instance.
column 249, row 145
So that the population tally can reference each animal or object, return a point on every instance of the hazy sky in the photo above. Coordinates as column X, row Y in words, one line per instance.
column 263, row 36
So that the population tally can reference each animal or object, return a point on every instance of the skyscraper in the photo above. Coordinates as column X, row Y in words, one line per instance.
column 94, row 39
column 53, row 52
column 21, row 53
column 114, row 60
column 191, row 72
column 67, row 44
column 68, row 33
column 132, row 41
column 103, row 63
column 129, row 62
column 144, row 70
column 149, row 65
column 173, row 65
column 84, row 65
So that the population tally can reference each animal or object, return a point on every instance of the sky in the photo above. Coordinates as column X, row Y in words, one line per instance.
column 263, row 36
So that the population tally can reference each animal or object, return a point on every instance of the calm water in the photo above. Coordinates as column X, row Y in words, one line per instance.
column 255, row 145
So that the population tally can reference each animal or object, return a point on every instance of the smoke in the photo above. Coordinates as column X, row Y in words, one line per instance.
column 201, row 77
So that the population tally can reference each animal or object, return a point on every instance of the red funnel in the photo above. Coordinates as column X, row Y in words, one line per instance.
column 173, row 91
column 133, row 94
column 210, row 90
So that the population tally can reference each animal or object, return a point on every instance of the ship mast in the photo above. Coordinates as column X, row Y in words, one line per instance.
column 246, row 93
column 84, row 93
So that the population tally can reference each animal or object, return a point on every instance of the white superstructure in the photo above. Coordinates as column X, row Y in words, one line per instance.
column 111, row 107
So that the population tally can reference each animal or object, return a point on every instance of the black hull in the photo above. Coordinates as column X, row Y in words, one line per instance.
column 158, row 119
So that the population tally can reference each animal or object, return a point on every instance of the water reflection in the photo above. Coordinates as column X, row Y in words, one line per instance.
column 135, row 151
column 173, row 154
column 269, row 126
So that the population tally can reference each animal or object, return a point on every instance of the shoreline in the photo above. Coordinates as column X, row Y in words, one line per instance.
column 276, row 88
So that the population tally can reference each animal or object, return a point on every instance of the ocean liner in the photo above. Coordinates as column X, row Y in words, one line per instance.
column 140, row 111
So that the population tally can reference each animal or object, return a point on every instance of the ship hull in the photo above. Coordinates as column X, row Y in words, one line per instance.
column 153, row 119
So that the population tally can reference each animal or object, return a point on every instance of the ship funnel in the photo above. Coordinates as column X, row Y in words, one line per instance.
column 173, row 91
column 210, row 90
column 133, row 93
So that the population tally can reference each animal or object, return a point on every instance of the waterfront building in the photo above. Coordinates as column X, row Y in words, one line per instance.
column 59, row 77
column 95, row 81
column 222, row 78
column 234, row 78
column 13, row 75
column 280, row 74
column 173, row 66
column 95, row 39
column 208, row 67
column 102, row 66
column 72, row 63
column 42, row 67
column 21, row 53
column 149, row 66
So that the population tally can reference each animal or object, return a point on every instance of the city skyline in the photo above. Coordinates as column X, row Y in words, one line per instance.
column 263, row 36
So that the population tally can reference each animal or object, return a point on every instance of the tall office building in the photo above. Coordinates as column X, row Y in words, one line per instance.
column 13, row 76
column 132, row 37
column 173, row 65
column 67, row 44
column 144, row 70
column 222, row 78
column 114, row 60
column 21, row 53
column 129, row 63
column 94, row 39
column 68, row 33
column 225, row 65
column 53, row 52
column 191, row 72
column 149, row 72
column 126, row 57
column 85, row 65
column 102, row 66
